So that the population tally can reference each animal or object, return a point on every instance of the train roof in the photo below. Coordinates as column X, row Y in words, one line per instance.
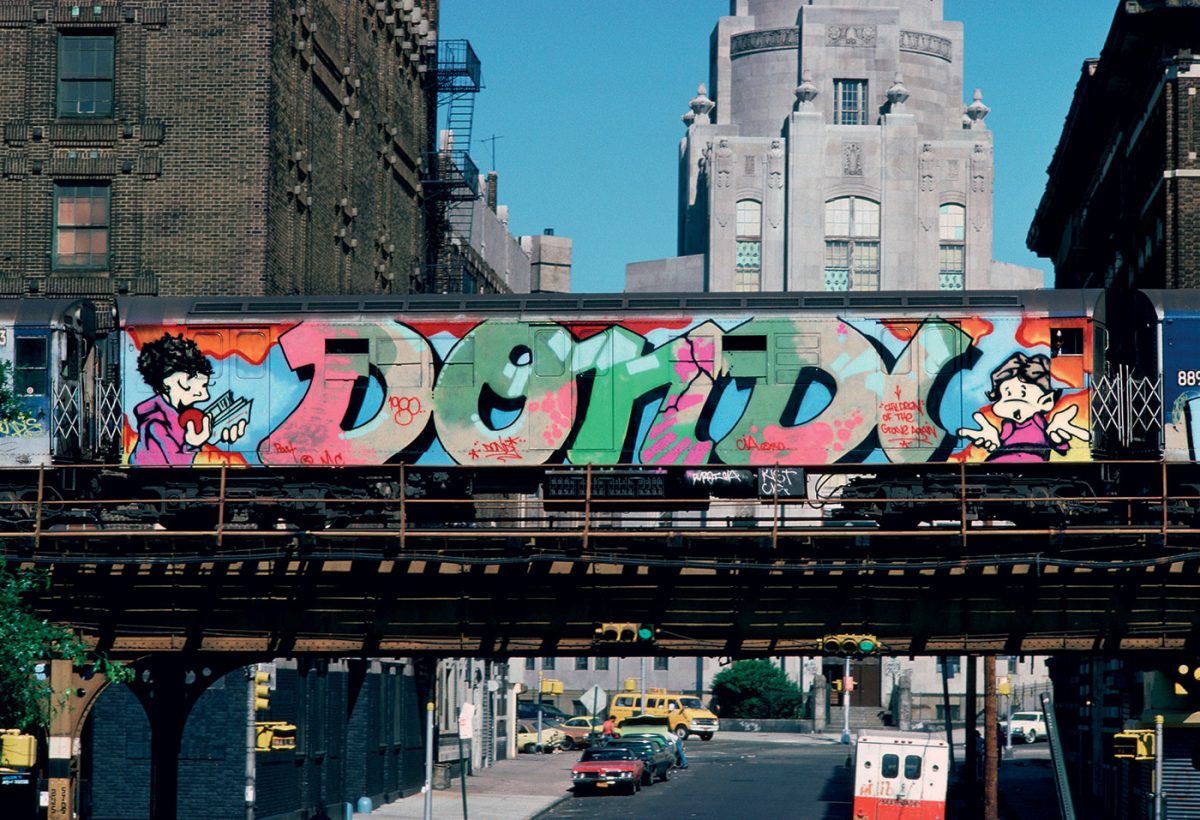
column 79, row 314
column 1173, row 302
column 153, row 311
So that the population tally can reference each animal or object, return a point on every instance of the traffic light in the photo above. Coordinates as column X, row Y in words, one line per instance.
column 550, row 686
column 837, row 685
column 1135, row 744
column 849, row 645
column 274, row 736
column 17, row 750
column 624, row 633
column 262, row 691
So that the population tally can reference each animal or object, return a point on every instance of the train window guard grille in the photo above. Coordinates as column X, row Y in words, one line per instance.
column 109, row 414
column 1126, row 406
column 67, row 422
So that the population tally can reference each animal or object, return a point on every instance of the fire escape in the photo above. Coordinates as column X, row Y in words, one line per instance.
column 453, row 183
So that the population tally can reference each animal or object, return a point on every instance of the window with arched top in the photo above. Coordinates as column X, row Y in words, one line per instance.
column 952, row 246
column 851, row 244
column 748, row 251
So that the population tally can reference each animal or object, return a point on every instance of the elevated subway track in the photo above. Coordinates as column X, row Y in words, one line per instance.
column 489, row 574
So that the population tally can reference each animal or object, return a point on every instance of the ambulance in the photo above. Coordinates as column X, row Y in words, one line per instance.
column 900, row 776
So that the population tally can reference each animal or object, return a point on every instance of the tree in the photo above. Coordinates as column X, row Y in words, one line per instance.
column 26, row 698
column 756, row 689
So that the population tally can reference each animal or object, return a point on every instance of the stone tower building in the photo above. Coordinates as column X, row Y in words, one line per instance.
column 834, row 153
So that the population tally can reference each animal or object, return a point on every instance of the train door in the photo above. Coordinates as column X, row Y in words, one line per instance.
column 600, row 431
column 25, row 428
column 912, row 406
column 551, row 400
column 900, row 776
column 248, row 390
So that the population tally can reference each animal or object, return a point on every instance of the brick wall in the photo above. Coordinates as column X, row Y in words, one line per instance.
column 183, row 152
column 377, row 751
column 346, row 214
column 251, row 148
column 1183, row 192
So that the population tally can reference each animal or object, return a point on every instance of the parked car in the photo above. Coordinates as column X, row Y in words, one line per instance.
column 642, row 725
column 1028, row 726
column 527, row 738
column 654, row 752
column 528, row 710
column 579, row 730
column 607, row 766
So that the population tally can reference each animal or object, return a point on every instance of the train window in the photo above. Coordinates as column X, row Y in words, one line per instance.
column 549, row 354
column 744, row 343
column 347, row 358
column 890, row 766
column 1066, row 341
column 912, row 767
column 70, row 365
column 31, row 366
column 253, row 347
column 212, row 344
column 745, row 356
column 459, row 367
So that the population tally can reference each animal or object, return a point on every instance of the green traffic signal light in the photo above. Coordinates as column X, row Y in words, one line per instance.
column 867, row 645
column 645, row 632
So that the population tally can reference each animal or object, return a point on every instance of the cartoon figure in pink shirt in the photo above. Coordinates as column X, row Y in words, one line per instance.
column 171, row 430
column 1021, row 397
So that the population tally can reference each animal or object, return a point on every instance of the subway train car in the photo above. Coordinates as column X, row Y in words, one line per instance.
column 50, row 371
column 1049, row 393
column 703, row 392
column 664, row 381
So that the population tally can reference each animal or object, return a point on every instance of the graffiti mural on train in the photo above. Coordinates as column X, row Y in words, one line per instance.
column 807, row 390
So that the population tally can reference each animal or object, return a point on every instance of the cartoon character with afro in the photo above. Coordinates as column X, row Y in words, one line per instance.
column 171, row 429
column 1022, row 398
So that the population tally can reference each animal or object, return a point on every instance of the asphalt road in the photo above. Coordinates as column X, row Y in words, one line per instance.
column 735, row 776
column 745, row 776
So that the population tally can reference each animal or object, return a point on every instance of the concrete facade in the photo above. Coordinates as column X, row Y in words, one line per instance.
column 828, row 106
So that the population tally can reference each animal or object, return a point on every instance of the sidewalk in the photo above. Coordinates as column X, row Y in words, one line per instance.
column 513, row 789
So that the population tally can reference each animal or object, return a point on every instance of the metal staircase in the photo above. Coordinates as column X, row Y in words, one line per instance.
column 453, row 178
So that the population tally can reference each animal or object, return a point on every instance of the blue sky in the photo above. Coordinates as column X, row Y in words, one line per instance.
column 585, row 98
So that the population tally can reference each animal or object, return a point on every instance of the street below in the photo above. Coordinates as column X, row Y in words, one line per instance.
column 803, row 776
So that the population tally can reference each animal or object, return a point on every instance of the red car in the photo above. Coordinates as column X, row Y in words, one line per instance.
column 608, row 768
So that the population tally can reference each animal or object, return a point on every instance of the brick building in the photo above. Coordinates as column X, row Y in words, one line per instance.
column 263, row 146
column 1122, row 209
column 1122, row 203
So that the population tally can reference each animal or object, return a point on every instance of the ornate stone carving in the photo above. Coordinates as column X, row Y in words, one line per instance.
column 850, row 35
column 977, row 110
column 806, row 92
column 897, row 94
column 852, row 160
column 927, row 164
column 773, row 39
column 979, row 166
column 701, row 105
column 919, row 42
column 775, row 179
